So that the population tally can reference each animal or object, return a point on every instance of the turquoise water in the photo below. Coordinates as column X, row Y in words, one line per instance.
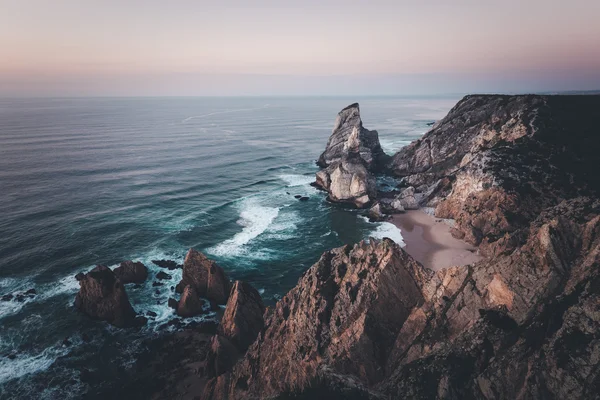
column 101, row 180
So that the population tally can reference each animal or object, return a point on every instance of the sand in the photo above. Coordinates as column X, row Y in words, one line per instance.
column 428, row 240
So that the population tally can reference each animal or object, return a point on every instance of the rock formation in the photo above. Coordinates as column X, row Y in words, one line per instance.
column 190, row 303
column 495, row 162
column 102, row 296
column 205, row 276
column 369, row 322
column 347, row 177
column 131, row 272
column 348, row 123
column 243, row 318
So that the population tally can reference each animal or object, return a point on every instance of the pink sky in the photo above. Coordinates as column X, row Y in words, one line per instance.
column 71, row 47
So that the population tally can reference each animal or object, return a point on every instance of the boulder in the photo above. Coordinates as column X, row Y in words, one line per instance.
column 190, row 303
column 102, row 296
column 163, row 276
column 375, row 214
column 348, row 123
column 168, row 264
column 406, row 199
column 131, row 272
column 243, row 318
column 205, row 276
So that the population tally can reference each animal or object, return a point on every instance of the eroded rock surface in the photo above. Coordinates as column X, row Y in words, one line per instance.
column 102, row 296
column 131, row 272
column 495, row 162
column 348, row 123
column 243, row 318
column 348, row 178
column 206, row 277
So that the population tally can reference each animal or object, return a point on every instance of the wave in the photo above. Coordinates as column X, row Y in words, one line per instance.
column 386, row 230
column 296, row 180
column 255, row 219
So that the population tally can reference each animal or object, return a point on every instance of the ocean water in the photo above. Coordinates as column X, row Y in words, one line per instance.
column 88, row 181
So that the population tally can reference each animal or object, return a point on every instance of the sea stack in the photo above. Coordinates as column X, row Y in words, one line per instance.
column 352, row 154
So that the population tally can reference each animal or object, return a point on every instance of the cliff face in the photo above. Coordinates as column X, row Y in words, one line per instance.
column 495, row 162
column 369, row 322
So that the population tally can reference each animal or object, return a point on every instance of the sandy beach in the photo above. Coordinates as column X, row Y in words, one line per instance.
column 429, row 241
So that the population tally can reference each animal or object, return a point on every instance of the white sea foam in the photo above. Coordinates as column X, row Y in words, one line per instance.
column 28, row 364
column 386, row 230
column 389, row 230
column 296, row 180
column 255, row 219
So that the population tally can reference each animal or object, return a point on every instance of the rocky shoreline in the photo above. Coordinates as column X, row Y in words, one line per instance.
column 367, row 321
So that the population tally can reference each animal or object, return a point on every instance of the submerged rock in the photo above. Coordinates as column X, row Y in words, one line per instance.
column 131, row 272
column 163, row 276
column 168, row 264
column 102, row 296
column 205, row 276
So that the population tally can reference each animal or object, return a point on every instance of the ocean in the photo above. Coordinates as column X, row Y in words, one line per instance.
column 87, row 181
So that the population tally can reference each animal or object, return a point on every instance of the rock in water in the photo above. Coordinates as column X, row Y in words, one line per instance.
column 348, row 123
column 102, row 296
column 131, row 272
column 348, row 180
column 190, row 303
column 243, row 318
column 205, row 276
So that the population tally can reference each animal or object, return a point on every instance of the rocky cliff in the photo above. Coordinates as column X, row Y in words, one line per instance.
column 369, row 322
column 495, row 162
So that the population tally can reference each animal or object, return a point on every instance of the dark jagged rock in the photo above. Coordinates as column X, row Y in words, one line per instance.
column 131, row 272
column 347, row 123
column 163, row 276
column 190, row 303
column 205, row 276
column 168, row 264
column 304, row 198
column 7, row 297
column 173, row 303
column 102, row 296
column 243, row 318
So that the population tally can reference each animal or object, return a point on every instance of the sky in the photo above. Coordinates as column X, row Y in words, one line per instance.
column 309, row 47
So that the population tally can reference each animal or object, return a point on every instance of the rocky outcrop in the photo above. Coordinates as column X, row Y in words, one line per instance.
column 341, row 319
column 495, row 162
column 243, row 318
column 102, row 296
column 369, row 322
column 190, row 303
column 348, row 123
column 348, row 179
column 205, row 277
column 131, row 272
